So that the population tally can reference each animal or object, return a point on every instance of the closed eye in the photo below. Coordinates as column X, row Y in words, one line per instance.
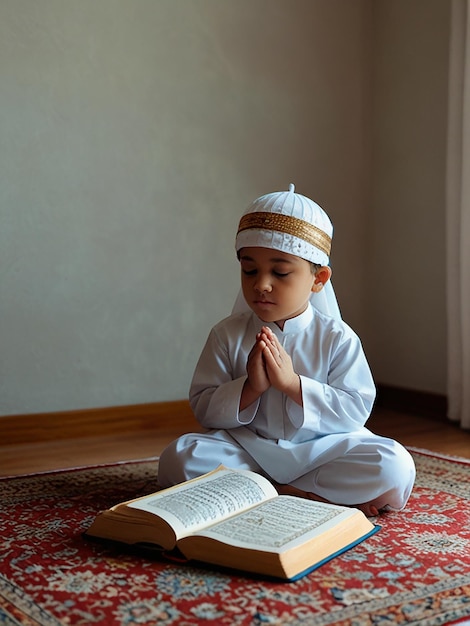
column 277, row 274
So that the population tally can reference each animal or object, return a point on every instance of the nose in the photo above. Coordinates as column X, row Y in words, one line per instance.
column 263, row 284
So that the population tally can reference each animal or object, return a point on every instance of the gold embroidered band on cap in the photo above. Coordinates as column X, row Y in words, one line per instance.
column 287, row 224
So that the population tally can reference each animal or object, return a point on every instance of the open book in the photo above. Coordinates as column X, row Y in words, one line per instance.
column 236, row 519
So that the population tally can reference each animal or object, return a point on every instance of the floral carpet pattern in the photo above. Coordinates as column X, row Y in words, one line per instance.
column 416, row 570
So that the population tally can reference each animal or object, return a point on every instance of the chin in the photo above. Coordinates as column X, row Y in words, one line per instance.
column 269, row 319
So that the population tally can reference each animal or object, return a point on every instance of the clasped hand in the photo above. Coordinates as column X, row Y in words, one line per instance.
column 269, row 365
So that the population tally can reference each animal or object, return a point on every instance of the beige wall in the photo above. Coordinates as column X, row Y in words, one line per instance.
column 135, row 133
column 407, row 345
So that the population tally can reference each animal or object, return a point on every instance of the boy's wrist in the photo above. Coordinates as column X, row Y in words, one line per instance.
column 294, row 390
column 248, row 395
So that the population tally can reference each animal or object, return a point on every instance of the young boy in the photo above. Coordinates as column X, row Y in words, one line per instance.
column 282, row 385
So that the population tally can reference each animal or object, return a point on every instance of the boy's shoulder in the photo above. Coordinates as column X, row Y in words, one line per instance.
column 332, row 324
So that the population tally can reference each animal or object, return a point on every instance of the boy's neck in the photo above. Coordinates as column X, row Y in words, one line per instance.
column 297, row 322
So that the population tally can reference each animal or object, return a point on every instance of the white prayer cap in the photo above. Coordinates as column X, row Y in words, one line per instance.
column 289, row 222
column 292, row 223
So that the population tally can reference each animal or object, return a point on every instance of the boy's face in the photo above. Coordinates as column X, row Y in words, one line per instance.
column 276, row 285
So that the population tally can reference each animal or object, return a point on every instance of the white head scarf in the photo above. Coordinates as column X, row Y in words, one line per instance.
column 292, row 223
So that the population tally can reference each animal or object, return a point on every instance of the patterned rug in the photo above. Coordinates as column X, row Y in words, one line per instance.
column 416, row 570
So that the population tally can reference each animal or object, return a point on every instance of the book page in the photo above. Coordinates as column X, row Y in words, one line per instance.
column 275, row 524
column 213, row 497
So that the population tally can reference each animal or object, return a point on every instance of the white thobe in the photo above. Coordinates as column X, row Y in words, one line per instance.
column 287, row 442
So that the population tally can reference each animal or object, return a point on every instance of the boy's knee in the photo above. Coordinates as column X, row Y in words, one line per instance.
column 398, row 476
column 171, row 467
column 400, row 464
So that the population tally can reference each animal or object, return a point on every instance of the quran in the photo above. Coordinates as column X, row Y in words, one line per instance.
column 236, row 519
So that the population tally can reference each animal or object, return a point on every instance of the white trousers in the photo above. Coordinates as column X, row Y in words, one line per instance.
column 374, row 470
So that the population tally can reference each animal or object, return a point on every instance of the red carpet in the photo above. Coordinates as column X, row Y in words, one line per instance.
column 416, row 570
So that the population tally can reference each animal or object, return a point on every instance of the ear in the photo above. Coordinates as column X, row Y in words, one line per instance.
column 322, row 276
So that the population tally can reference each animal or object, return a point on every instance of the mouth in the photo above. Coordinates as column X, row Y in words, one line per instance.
column 263, row 303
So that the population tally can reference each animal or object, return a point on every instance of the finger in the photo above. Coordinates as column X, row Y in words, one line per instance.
column 268, row 333
column 273, row 354
column 275, row 341
column 256, row 354
column 275, row 347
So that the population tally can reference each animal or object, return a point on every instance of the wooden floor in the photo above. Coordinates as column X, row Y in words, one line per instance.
column 23, row 458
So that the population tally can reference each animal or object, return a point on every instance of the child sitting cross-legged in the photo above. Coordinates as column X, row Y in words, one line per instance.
column 282, row 385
